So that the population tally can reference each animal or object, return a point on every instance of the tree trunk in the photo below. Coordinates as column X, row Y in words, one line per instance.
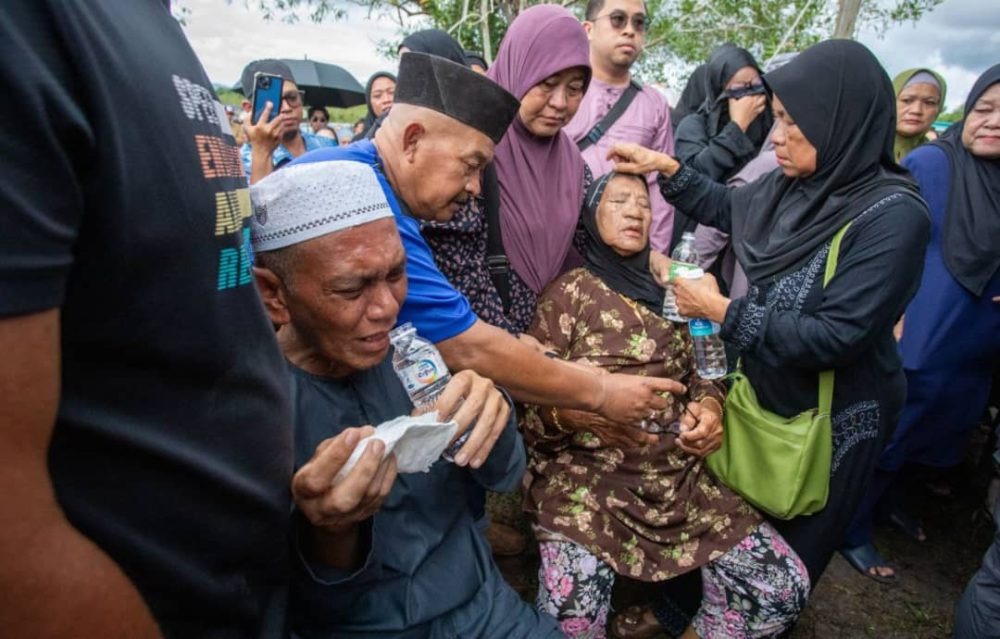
column 484, row 26
column 847, row 18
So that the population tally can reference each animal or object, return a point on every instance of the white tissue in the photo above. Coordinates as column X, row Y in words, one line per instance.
column 417, row 442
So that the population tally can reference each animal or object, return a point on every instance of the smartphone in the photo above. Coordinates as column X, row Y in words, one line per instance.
column 266, row 88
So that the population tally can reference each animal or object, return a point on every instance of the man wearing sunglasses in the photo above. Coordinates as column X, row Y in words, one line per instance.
column 617, row 31
column 277, row 138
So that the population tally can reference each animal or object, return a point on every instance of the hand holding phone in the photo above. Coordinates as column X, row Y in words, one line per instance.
column 266, row 88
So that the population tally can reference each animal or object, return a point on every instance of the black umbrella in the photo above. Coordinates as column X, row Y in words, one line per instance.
column 325, row 85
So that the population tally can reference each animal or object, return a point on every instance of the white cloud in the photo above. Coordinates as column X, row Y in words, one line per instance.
column 960, row 39
column 228, row 36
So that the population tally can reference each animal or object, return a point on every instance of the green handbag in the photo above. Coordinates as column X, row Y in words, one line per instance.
column 780, row 465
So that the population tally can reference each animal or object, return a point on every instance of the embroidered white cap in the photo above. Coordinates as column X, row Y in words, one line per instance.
column 304, row 201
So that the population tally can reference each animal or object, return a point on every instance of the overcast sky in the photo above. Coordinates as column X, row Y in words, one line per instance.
column 960, row 39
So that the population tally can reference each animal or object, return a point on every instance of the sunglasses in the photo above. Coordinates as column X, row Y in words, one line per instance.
column 317, row 118
column 745, row 90
column 619, row 19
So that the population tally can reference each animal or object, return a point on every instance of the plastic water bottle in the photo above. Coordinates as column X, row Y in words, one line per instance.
column 709, row 351
column 422, row 370
column 685, row 259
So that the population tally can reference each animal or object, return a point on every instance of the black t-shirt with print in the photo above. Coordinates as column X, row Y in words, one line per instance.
column 123, row 203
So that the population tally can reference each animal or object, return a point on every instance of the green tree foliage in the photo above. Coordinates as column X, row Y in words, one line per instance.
column 351, row 115
column 954, row 115
column 682, row 33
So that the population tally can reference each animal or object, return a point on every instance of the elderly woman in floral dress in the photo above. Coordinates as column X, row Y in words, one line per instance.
column 638, row 501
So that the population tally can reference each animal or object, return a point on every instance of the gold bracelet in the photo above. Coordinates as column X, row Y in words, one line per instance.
column 719, row 413
column 555, row 420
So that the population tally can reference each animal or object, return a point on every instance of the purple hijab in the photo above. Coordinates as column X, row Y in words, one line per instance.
column 541, row 179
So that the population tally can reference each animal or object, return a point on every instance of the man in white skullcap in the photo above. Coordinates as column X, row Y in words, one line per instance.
column 379, row 554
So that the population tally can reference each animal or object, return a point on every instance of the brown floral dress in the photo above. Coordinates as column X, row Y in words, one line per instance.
column 650, row 512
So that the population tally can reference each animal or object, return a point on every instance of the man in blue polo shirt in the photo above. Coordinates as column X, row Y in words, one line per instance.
column 429, row 155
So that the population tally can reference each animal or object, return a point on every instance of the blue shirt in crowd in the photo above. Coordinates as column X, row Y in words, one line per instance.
column 282, row 156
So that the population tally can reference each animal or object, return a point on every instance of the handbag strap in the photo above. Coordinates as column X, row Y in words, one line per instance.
column 826, row 377
column 616, row 112
column 496, row 255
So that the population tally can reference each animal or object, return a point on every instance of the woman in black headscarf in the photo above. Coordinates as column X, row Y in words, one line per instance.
column 429, row 41
column 653, row 511
column 379, row 104
column 951, row 334
column 834, row 134
column 730, row 125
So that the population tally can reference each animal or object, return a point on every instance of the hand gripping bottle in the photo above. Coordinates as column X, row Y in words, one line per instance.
column 684, row 258
column 709, row 351
column 420, row 368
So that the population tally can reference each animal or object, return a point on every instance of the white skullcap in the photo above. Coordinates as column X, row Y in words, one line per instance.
column 304, row 201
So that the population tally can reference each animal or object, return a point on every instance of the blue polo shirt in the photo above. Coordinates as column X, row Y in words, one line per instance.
column 281, row 155
column 436, row 309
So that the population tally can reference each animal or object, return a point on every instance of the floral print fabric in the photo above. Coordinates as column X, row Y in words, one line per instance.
column 650, row 512
column 756, row 589
column 459, row 247
column 574, row 586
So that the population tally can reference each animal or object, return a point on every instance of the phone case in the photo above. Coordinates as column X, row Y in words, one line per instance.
column 266, row 88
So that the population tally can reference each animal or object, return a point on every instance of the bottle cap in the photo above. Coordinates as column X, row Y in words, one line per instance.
column 403, row 330
column 692, row 274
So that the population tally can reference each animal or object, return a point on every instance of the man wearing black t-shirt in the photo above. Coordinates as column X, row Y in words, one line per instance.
column 145, row 432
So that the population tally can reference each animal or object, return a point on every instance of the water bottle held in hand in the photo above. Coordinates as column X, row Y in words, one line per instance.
column 684, row 259
column 709, row 351
column 422, row 370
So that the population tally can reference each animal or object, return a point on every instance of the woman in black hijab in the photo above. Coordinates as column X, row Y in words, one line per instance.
column 429, row 41
column 951, row 334
column 730, row 125
column 376, row 107
column 834, row 134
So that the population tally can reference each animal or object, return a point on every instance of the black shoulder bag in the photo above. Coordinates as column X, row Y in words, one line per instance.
column 496, row 256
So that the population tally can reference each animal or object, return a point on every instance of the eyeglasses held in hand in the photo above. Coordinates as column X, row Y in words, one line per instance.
column 619, row 19
column 747, row 89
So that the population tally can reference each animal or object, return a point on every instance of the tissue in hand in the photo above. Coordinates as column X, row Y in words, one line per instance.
column 417, row 442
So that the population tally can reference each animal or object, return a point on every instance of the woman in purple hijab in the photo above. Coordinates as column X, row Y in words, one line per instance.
column 544, row 60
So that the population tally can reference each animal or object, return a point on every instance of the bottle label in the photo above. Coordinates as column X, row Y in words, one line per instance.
column 423, row 372
column 676, row 268
column 701, row 327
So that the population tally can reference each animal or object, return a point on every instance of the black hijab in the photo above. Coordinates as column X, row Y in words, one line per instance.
column 725, row 61
column 629, row 276
column 691, row 98
column 370, row 116
column 971, row 234
column 843, row 102
column 435, row 42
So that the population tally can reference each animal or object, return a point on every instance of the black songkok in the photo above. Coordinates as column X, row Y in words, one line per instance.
column 456, row 91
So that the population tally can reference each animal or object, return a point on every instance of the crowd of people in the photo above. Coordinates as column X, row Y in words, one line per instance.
column 189, row 395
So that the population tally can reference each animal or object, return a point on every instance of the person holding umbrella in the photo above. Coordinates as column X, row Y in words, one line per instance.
column 274, row 141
